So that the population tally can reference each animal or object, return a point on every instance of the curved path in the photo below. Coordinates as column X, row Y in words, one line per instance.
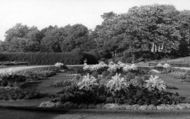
column 19, row 68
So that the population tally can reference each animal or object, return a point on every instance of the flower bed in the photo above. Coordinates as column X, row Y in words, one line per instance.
column 118, row 83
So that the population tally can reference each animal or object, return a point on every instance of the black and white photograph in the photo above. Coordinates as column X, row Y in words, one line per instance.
column 94, row 59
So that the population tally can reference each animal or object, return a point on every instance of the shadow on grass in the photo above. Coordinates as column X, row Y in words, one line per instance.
column 172, row 87
column 21, row 114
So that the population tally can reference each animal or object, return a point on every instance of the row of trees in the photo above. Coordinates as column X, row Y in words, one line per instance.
column 141, row 32
column 22, row 38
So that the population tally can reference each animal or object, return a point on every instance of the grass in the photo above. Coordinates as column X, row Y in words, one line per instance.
column 46, row 85
column 120, row 116
column 18, row 114
column 184, row 60
column 182, row 88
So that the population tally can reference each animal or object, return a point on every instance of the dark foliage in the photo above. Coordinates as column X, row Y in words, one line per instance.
column 132, row 95
column 12, row 80
column 15, row 94
column 43, row 58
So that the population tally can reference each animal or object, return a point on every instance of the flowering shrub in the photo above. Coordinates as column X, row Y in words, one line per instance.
column 126, row 68
column 117, row 83
column 86, row 66
column 155, row 82
column 47, row 104
column 112, row 67
column 159, row 65
column 96, row 67
column 121, row 64
column 59, row 64
column 137, row 81
column 87, row 82
column 133, row 67
column 166, row 65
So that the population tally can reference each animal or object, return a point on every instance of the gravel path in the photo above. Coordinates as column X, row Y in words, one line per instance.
column 185, row 68
column 19, row 68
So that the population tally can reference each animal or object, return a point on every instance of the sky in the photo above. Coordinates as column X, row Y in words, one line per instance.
column 42, row 13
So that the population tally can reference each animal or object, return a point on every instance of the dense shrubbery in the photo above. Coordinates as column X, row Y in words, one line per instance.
column 43, row 58
column 16, row 93
column 131, row 95
column 11, row 80
column 117, row 83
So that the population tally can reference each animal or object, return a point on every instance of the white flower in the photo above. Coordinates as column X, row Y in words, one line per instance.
column 87, row 82
column 126, row 68
column 86, row 66
column 155, row 82
column 166, row 65
column 133, row 67
column 59, row 64
column 94, row 67
column 102, row 64
column 112, row 67
column 117, row 83
column 121, row 64
column 159, row 65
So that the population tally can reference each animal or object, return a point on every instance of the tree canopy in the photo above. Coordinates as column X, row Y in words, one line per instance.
column 143, row 31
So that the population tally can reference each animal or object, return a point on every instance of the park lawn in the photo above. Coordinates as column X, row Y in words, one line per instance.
column 18, row 114
column 176, row 85
column 46, row 85
column 185, row 60
column 123, row 116
column 21, row 114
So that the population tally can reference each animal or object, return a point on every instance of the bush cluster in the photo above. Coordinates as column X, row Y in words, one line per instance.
column 131, row 95
column 11, row 80
column 16, row 93
column 102, row 85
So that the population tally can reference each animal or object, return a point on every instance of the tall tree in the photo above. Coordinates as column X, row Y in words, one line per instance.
column 140, row 29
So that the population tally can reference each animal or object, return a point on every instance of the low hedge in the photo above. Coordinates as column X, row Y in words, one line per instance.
column 43, row 58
